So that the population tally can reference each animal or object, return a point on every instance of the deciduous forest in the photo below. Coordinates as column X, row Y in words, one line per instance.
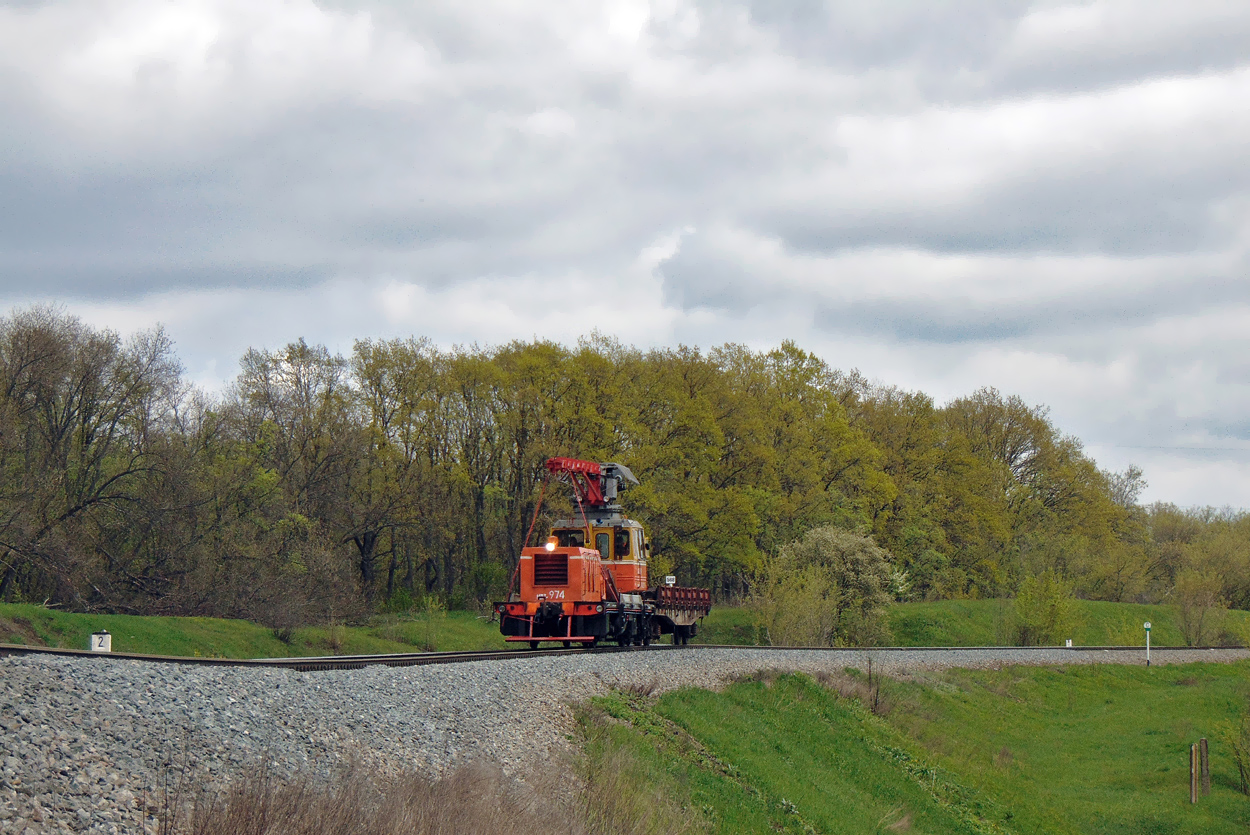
column 323, row 486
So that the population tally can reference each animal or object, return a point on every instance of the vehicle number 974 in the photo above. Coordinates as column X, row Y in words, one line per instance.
column 555, row 594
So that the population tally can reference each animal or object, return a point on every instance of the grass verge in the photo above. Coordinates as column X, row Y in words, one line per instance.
column 1098, row 623
column 1084, row 749
column 983, row 623
column 942, row 623
column 221, row 638
column 611, row 795
column 784, row 754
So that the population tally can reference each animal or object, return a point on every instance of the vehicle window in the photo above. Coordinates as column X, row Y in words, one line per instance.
column 622, row 543
column 571, row 539
column 601, row 545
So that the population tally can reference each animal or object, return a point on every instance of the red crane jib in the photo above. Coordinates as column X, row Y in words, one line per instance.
column 583, row 474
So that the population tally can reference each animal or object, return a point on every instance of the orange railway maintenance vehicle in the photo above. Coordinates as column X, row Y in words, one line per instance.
column 588, row 583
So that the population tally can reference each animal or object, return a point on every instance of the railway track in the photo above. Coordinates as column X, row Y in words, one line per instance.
column 327, row 662
column 416, row 659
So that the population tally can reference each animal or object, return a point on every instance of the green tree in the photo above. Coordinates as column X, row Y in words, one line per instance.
column 828, row 588
column 1045, row 610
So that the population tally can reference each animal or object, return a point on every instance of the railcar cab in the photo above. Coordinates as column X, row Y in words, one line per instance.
column 621, row 544
column 586, row 582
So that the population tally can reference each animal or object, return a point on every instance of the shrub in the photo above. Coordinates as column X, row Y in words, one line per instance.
column 1045, row 611
column 828, row 588
column 433, row 612
column 1236, row 735
column 1199, row 605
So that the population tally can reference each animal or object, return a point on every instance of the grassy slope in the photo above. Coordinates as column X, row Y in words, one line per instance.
column 771, row 757
column 1100, row 749
column 987, row 623
column 215, row 637
column 1023, row 750
column 728, row 625
column 943, row 623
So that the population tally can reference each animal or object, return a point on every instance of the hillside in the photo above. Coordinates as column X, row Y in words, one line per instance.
column 1019, row 750
column 971, row 623
column 221, row 638
column 940, row 623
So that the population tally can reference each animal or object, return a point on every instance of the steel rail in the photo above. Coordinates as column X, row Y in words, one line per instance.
column 1138, row 647
column 315, row 663
column 415, row 659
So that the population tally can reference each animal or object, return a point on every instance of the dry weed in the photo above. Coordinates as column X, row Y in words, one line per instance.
column 866, row 691
column 616, row 800
column 610, row 799
column 645, row 689
column 476, row 798
column 901, row 820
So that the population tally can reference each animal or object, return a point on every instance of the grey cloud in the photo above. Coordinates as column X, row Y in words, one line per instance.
column 859, row 37
column 961, row 51
column 362, row 175
column 1057, row 321
column 1128, row 207
column 341, row 190
column 701, row 276
column 437, row 189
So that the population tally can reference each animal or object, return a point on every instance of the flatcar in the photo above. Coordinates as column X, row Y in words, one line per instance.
column 588, row 582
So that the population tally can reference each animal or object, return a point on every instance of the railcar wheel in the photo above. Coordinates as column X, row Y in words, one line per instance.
column 568, row 644
column 533, row 644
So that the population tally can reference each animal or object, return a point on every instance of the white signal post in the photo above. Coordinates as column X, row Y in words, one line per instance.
column 1147, row 625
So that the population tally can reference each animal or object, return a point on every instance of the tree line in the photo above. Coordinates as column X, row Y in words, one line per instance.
column 320, row 485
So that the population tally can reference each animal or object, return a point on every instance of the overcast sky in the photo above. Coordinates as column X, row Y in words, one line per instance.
column 1049, row 198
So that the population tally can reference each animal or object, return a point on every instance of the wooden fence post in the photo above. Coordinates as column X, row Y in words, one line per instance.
column 1206, row 766
column 1193, row 773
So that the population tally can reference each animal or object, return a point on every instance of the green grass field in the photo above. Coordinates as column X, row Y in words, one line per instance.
column 988, row 623
column 781, row 756
column 1023, row 750
column 971, row 623
column 728, row 625
column 1097, row 749
column 216, row 637
column 943, row 623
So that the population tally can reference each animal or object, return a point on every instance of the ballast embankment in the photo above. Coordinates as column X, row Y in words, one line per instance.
column 89, row 745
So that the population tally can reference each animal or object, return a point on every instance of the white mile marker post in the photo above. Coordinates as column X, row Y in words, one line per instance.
column 1147, row 625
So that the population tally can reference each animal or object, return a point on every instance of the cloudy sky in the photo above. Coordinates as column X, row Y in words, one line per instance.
column 1050, row 198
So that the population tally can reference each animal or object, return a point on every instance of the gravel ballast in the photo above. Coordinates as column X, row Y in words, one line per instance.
column 87, row 744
